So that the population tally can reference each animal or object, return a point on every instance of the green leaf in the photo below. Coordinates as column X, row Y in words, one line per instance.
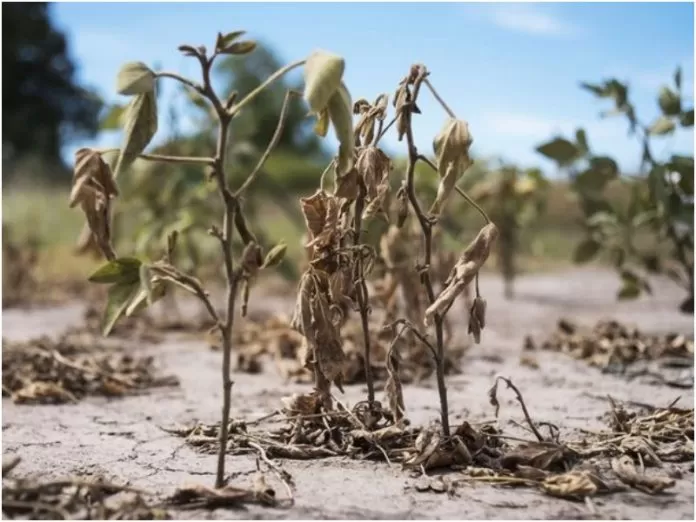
column 651, row 262
column 605, row 165
column 669, row 101
column 686, row 119
column 140, row 301
column 224, row 41
column 581, row 141
column 559, row 150
column 113, row 119
column 663, row 125
column 628, row 290
column 239, row 48
column 120, row 296
column 657, row 185
column 586, row 251
column 139, row 129
column 593, row 180
column 123, row 270
column 135, row 78
column 678, row 78
column 275, row 255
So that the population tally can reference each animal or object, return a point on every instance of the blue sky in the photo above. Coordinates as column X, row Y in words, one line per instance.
column 511, row 70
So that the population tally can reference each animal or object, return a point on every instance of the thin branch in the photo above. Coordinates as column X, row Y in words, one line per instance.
column 181, row 79
column 167, row 159
column 273, row 77
column 439, row 99
column 271, row 145
column 527, row 417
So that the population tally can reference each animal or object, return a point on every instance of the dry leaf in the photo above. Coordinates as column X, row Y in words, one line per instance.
column 625, row 469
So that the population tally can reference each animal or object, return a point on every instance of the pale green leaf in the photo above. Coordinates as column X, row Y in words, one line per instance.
column 135, row 78
column 275, row 255
column 139, row 129
column 663, row 125
column 239, row 48
column 113, row 119
column 226, row 40
column 669, row 101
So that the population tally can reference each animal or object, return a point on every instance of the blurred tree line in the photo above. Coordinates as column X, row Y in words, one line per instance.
column 43, row 107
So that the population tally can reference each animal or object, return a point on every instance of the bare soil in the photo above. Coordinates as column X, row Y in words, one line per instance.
column 121, row 438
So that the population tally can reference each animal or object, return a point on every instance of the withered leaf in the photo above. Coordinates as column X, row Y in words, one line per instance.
column 452, row 151
column 544, row 456
column 571, row 485
column 139, row 129
column 625, row 469
column 464, row 271
column 91, row 171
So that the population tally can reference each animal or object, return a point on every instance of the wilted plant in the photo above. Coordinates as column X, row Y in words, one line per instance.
column 339, row 260
column 662, row 208
column 513, row 198
column 136, row 283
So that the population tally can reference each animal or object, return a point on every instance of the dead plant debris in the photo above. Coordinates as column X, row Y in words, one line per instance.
column 50, row 371
column 614, row 347
column 629, row 454
column 74, row 499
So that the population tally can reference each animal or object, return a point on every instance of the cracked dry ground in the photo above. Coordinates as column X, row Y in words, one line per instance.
column 121, row 439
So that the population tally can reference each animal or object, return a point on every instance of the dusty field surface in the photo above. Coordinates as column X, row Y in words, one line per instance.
column 121, row 439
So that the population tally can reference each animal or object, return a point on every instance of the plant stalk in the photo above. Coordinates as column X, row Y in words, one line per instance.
column 426, row 227
column 362, row 293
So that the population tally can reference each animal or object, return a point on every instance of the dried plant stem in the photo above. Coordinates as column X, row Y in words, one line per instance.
column 449, row 111
column 426, row 227
column 527, row 417
column 167, row 159
column 271, row 145
column 362, row 293
column 273, row 77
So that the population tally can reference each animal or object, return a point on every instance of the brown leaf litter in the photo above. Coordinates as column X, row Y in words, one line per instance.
column 72, row 499
column 50, row 371
column 615, row 347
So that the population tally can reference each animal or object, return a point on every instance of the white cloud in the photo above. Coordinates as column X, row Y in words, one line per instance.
column 531, row 20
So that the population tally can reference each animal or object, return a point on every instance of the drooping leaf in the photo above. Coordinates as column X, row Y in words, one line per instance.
column 113, row 119
column 592, row 180
column 135, row 78
column 669, row 101
column 663, row 125
column 140, row 128
column 586, row 251
column 275, row 255
column 605, row 165
column 124, row 270
column 323, row 74
column 140, row 301
column 560, row 150
column 321, row 127
column 239, row 48
column 678, row 78
column 632, row 285
column 597, row 90
column 120, row 296
column 340, row 110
